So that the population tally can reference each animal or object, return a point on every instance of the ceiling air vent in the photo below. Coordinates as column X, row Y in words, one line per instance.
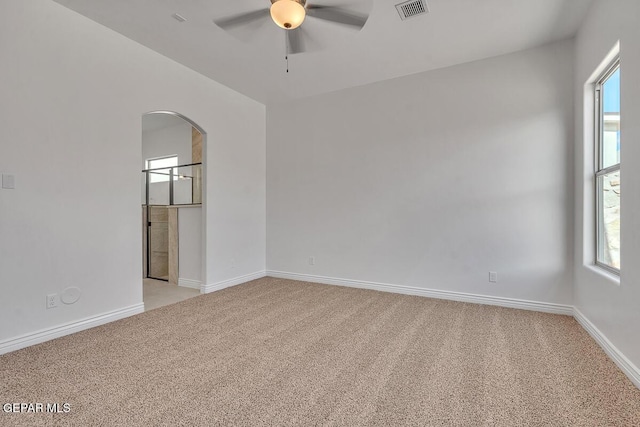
column 179, row 17
column 411, row 8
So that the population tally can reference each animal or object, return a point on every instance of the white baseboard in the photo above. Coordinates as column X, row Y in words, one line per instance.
column 205, row 289
column 43, row 335
column 189, row 283
column 545, row 307
column 629, row 369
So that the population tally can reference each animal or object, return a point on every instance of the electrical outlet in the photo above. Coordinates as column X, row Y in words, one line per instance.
column 493, row 276
column 312, row 260
column 8, row 181
column 232, row 264
column 52, row 300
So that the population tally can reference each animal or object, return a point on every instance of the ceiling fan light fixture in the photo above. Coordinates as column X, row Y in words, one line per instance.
column 287, row 14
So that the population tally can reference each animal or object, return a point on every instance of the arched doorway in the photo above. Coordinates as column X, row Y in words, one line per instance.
column 173, row 225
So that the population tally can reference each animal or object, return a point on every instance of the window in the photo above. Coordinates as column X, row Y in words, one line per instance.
column 607, row 170
column 161, row 168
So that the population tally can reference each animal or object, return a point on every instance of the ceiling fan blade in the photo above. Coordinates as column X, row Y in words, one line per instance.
column 337, row 15
column 295, row 42
column 241, row 18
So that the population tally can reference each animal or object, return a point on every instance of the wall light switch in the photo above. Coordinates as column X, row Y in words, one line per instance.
column 8, row 181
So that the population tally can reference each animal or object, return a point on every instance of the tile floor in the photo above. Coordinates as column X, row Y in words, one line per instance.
column 156, row 293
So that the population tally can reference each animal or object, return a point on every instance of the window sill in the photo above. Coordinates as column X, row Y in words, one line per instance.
column 607, row 275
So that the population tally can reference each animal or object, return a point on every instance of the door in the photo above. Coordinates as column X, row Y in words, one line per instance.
column 158, row 247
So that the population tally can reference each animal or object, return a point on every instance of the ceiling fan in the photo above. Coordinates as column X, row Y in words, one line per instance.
column 290, row 14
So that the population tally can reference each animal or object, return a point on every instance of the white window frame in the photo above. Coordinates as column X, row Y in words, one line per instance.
column 599, row 170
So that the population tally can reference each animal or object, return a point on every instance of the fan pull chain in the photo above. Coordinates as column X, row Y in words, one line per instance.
column 286, row 49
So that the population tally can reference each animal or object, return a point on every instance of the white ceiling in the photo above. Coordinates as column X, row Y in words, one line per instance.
column 251, row 60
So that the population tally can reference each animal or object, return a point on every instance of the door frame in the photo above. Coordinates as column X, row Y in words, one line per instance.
column 204, row 200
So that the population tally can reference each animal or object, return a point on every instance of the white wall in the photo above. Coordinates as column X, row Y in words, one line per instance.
column 72, row 92
column 612, row 306
column 190, row 244
column 431, row 180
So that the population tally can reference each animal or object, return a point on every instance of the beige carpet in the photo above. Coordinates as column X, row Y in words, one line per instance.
column 278, row 352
